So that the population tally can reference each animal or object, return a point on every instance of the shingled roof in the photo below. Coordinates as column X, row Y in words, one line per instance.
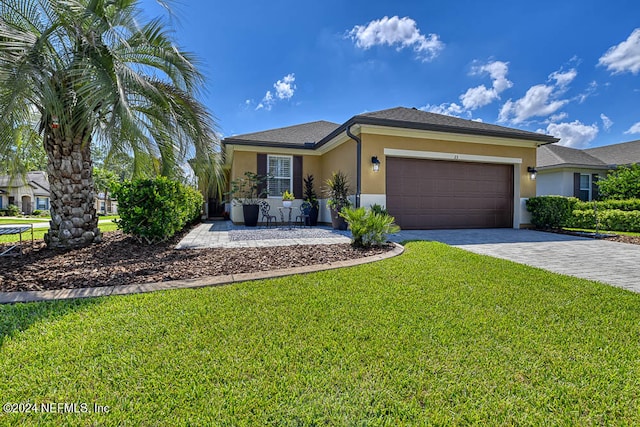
column 557, row 155
column 297, row 136
column 618, row 154
column 314, row 134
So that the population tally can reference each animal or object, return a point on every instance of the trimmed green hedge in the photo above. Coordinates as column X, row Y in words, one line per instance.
column 611, row 219
column 623, row 205
column 550, row 211
column 153, row 210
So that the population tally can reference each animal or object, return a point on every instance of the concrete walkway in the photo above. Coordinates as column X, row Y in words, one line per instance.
column 614, row 263
column 224, row 234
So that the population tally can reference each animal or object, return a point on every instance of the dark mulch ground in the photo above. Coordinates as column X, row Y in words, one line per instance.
column 634, row 240
column 120, row 260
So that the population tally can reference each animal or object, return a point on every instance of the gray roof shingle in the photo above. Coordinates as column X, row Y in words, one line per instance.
column 294, row 135
column 618, row 154
column 558, row 155
column 315, row 134
column 439, row 122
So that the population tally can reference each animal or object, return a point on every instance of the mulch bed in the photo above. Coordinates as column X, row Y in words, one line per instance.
column 634, row 240
column 121, row 260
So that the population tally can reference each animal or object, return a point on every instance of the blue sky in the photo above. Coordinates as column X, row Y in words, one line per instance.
column 567, row 68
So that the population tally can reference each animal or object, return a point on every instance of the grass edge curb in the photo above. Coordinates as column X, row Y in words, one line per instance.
column 63, row 294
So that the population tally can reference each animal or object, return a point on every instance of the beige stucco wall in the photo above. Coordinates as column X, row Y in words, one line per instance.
column 374, row 145
column 343, row 159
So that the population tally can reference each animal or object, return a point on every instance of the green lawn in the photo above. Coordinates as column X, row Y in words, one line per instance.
column 38, row 233
column 435, row 336
column 23, row 221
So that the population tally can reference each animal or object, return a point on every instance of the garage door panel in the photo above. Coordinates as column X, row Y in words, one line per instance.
column 444, row 194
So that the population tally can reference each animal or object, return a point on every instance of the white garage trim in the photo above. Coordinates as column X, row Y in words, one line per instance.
column 437, row 155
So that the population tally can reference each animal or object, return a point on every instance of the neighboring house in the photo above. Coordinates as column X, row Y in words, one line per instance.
column 28, row 194
column 568, row 171
column 106, row 206
column 434, row 171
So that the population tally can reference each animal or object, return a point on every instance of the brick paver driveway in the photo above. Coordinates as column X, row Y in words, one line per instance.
column 614, row 263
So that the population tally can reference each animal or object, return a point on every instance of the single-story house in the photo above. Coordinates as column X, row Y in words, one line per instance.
column 28, row 195
column 428, row 170
column 33, row 193
column 566, row 171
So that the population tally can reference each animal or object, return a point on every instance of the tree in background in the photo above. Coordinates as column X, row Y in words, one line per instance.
column 91, row 70
column 24, row 154
column 104, row 180
column 621, row 183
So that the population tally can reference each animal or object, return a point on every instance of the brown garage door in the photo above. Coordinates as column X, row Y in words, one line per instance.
column 442, row 194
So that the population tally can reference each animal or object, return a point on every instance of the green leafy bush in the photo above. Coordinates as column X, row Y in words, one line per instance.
column 611, row 219
column 153, row 210
column 621, row 183
column 13, row 210
column 623, row 205
column 379, row 209
column 550, row 211
column 37, row 212
column 368, row 227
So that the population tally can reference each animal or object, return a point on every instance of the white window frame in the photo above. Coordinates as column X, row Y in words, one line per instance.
column 290, row 177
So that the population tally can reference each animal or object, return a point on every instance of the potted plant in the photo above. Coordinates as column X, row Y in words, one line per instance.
column 311, row 197
column 338, row 198
column 287, row 199
column 247, row 191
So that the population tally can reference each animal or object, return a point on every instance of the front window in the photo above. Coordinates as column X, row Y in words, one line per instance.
column 585, row 187
column 42, row 203
column 280, row 172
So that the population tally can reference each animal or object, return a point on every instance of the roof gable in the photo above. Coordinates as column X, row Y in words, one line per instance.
column 558, row 155
column 297, row 135
column 618, row 154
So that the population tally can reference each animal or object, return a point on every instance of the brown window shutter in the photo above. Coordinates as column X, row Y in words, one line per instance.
column 595, row 194
column 576, row 185
column 297, row 177
column 261, row 169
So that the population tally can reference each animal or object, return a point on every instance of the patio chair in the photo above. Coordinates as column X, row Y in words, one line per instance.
column 264, row 213
column 303, row 217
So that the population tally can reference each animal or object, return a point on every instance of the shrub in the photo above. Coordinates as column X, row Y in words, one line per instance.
column 13, row 210
column 621, row 183
column 37, row 212
column 550, row 211
column 623, row 205
column 611, row 219
column 368, row 227
column 379, row 209
column 153, row 210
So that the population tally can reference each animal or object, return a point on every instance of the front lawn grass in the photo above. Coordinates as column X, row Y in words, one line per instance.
column 435, row 336
column 24, row 220
column 38, row 233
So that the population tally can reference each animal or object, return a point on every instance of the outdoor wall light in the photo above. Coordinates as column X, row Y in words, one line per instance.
column 532, row 172
column 376, row 163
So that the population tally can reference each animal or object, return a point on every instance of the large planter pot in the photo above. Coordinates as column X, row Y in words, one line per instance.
column 337, row 222
column 250, row 213
column 313, row 216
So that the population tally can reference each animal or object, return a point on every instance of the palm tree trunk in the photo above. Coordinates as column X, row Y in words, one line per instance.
column 74, row 222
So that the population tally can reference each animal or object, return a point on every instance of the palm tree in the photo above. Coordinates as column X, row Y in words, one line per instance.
column 88, row 69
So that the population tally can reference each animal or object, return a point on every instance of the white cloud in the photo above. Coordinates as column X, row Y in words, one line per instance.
column 563, row 78
column 285, row 89
column 452, row 109
column 606, row 121
column 624, row 56
column 634, row 129
column 558, row 117
column 574, row 134
column 400, row 32
column 480, row 96
column 538, row 101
